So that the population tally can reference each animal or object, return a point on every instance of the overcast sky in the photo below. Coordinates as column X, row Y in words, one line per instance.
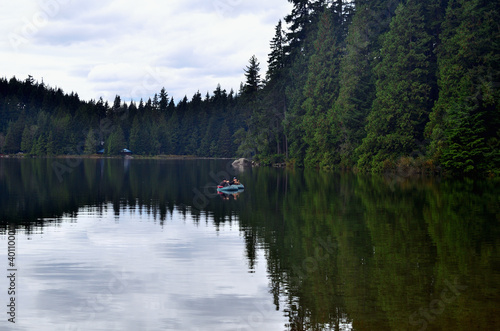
column 134, row 48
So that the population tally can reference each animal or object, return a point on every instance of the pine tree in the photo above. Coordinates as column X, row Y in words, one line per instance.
column 171, row 106
column 464, row 124
column 163, row 103
column 302, row 21
column 276, row 60
column 154, row 138
column 27, row 140
column 14, row 135
column 134, row 137
column 39, row 146
column 155, row 105
column 173, row 134
column 162, row 135
column 292, row 123
column 299, row 21
column 404, row 88
column 49, row 147
column 357, row 81
column 117, row 103
column 115, row 142
column 90, row 143
column 224, row 142
column 208, row 138
column 145, row 137
column 253, row 81
column 275, row 107
column 320, row 91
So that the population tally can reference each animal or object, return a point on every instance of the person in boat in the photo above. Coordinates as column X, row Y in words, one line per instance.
column 234, row 181
column 224, row 182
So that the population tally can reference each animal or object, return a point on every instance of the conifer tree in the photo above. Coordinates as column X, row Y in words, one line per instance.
column 276, row 60
column 299, row 21
column 208, row 138
column 320, row 91
column 253, row 81
column 135, row 131
column 27, row 139
column 154, row 139
column 90, row 143
column 224, row 142
column 275, row 105
column 117, row 103
column 302, row 21
column 49, row 147
column 403, row 90
column 162, row 135
column 172, row 129
column 357, row 81
column 115, row 142
column 464, row 124
column 294, row 92
column 163, row 102
column 14, row 135
column 39, row 147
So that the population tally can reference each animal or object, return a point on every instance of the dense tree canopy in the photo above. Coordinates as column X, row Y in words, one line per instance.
column 366, row 84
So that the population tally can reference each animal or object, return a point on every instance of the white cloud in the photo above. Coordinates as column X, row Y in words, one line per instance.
column 104, row 48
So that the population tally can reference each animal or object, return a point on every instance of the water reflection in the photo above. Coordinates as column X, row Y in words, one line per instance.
column 321, row 250
column 138, row 274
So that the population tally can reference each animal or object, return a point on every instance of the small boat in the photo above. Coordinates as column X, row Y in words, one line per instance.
column 234, row 187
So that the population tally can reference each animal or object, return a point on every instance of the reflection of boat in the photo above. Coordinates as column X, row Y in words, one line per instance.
column 228, row 195
column 230, row 188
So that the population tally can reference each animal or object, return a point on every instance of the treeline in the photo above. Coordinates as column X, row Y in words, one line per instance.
column 38, row 120
column 383, row 85
column 374, row 85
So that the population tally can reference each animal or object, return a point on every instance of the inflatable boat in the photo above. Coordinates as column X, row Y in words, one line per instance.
column 228, row 188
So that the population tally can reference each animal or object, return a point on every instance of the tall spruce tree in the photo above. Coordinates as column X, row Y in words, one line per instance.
column 90, row 143
column 294, row 93
column 252, row 73
column 276, row 59
column 464, row 126
column 320, row 91
column 134, row 138
column 163, row 102
column 173, row 138
column 14, row 135
column 275, row 97
column 302, row 23
column 224, row 144
column 39, row 146
column 357, row 81
column 27, row 139
column 115, row 142
column 49, row 147
column 404, row 88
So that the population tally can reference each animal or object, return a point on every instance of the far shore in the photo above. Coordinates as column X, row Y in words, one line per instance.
column 101, row 156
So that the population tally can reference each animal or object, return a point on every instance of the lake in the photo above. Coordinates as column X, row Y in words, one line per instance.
column 120, row 244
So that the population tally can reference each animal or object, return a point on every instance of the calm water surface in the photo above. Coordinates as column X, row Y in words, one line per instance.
column 150, row 245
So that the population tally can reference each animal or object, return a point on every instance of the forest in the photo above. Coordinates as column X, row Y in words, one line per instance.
column 367, row 85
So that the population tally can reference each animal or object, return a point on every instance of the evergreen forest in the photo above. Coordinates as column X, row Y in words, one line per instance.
column 369, row 85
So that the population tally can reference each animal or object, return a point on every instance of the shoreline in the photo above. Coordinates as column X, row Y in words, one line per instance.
column 398, row 170
column 96, row 156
